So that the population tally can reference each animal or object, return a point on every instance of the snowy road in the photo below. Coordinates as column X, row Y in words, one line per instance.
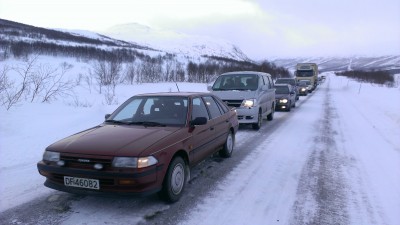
column 335, row 159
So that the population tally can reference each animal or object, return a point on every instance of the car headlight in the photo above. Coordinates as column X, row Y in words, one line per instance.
column 283, row 100
column 51, row 156
column 134, row 162
column 248, row 103
column 303, row 89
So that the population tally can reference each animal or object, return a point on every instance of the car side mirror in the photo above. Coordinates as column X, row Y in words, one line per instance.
column 264, row 88
column 292, row 93
column 107, row 116
column 198, row 121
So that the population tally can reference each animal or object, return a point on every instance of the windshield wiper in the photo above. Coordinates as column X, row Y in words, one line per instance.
column 149, row 124
column 115, row 121
column 153, row 124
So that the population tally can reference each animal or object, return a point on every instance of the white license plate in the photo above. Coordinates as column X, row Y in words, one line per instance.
column 81, row 182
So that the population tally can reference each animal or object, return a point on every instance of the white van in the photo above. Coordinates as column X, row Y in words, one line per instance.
column 251, row 93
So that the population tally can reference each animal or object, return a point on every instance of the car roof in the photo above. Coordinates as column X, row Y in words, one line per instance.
column 283, row 85
column 245, row 72
column 181, row 94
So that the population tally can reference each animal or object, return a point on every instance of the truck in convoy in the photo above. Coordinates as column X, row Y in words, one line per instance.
column 307, row 71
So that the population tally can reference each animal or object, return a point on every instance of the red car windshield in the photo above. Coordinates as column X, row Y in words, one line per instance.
column 152, row 111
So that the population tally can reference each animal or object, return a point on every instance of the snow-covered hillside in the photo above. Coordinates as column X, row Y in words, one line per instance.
column 135, row 37
column 177, row 43
column 154, row 42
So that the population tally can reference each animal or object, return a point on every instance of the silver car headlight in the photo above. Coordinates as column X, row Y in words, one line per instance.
column 283, row 100
column 248, row 103
column 134, row 162
column 51, row 156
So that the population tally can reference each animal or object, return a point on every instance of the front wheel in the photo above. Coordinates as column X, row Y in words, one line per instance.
column 226, row 152
column 257, row 126
column 271, row 115
column 175, row 180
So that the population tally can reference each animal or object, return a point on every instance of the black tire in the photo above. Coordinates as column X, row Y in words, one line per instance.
column 294, row 105
column 175, row 180
column 289, row 108
column 271, row 115
column 257, row 126
column 226, row 152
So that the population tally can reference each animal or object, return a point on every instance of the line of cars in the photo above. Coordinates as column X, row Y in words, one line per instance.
column 288, row 91
column 150, row 142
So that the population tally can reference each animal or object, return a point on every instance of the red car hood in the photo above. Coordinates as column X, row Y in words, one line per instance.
column 121, row 140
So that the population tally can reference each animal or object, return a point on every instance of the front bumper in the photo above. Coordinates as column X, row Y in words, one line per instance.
column 118, row 181
column 247, row 114
column 282, row 106
column 303, row 92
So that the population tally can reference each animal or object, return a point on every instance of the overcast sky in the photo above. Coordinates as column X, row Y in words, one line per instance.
column 261, row 28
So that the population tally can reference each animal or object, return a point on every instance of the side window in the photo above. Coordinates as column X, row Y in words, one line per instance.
column 270, row 83
column 263, row 80
column 212, row 107
column 222, row 107
column 199, row 109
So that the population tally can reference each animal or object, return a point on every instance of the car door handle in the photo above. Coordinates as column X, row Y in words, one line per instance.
column 211, row 128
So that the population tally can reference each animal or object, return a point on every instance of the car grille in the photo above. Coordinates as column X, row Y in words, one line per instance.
column 233, row 103
column 86, row 161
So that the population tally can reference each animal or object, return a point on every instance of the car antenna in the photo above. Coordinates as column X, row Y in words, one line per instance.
column 177, row 86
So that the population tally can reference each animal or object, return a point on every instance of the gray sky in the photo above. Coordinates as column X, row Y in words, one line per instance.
column 261, row 28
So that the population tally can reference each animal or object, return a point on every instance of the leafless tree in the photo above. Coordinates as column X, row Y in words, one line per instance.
column 109, row 95
column 24, row 71
column 180, row 72
column 169, row 72
column 5, row 85
column 57, row 86
column 151, row 70
column 89, row 81
column 40, row 78
column 4, row 81
column 130, row 73
column 107, row 73
column 10, row 93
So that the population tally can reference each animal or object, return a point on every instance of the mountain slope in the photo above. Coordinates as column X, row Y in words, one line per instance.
column 177, row 43
column 161, row 42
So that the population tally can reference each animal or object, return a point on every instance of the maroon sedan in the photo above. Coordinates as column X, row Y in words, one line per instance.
column 146, row 146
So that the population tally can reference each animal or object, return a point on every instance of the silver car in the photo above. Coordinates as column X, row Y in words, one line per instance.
column 251, row 93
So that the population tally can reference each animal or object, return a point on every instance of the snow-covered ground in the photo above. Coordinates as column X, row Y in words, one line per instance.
column 336, row 160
